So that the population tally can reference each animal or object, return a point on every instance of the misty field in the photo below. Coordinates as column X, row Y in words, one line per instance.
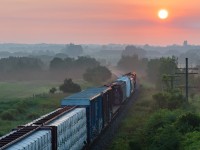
column 9, row 90
column 22, row 102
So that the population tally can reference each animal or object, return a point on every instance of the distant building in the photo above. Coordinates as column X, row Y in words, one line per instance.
column 185, row 43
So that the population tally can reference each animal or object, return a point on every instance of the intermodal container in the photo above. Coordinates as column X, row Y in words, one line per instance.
column 71, row 129
column 38, row 140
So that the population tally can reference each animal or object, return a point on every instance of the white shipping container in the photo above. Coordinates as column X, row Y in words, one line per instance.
column 35, row 141
column 71, row 128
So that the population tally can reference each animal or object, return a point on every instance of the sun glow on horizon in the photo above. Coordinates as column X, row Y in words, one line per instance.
column 163, row 14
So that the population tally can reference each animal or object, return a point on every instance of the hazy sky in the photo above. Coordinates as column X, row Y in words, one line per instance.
column 99, row 21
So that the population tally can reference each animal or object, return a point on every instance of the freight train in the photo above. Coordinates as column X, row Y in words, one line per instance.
column 77, row 123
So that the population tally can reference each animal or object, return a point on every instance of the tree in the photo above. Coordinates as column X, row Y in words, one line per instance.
column 131, row 50
column 73, row 50
column 14, row 64
column 159, row 130
column 52, row 90
column 188, row 122
column 57, row 63
column 191, row 141
column 133, row 62
column 156, row 68
column 97, row 75
column 81, row 62
column 170, row 101
column 69, row 86
column 86, row 62
column 166, row 138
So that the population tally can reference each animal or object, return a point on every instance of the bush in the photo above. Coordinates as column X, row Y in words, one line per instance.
column 168, row 100
column 8, row 115
column 69, row 86
column 188, row 122
column 52, row 90
column 191, row 141
column 97, row 75
column 134, row 145
column 157, row 121
column 166, row 138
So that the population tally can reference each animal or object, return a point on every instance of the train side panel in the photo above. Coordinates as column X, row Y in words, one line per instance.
column 91, row 99
column 71, row 129
column 39, row 140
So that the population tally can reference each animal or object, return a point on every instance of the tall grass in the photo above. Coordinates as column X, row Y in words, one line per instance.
column 136, row 118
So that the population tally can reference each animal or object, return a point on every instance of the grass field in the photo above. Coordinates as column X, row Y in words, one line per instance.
column 13, row 90
column 21, row 102
column 10, row 90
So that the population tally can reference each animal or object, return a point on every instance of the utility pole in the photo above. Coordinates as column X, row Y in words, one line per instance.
column 186, row 79
column 187, row 73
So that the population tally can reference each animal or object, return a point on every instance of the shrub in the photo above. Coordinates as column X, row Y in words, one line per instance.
column 166, row 138
column 69, row 86
column 188, row 122
column 52, row 90
column 8, row 115
column 157, row 121
column 134, row 145
column 191, row 141
column 167, row 100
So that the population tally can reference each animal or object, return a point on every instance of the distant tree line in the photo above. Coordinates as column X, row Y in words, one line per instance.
column 81, row 62
column 16, row 64
column 131, row 50
column 73, row 50
column 98, row 74
column 132, row 62
column 154, row 68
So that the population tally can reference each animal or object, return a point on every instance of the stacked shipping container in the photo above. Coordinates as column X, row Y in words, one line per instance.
column 71, row 130
column 39, row 140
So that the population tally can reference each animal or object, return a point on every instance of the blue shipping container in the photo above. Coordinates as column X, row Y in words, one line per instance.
column 91, row 99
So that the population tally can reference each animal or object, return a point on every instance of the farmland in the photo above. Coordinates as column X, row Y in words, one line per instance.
column 21, row 102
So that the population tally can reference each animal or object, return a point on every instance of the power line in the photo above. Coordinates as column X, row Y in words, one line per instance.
column 187, row 73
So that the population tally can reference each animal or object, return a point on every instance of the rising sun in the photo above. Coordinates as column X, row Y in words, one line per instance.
column 163, row 14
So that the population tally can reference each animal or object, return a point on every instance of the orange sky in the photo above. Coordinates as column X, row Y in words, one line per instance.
column 99, row 21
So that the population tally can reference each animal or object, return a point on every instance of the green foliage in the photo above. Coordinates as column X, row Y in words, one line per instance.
column 52, row 90
column 33, row 116
column 69, row 86
column 166, row 138
column 191, row 141
column 147, row 128
column 81, row 62
column 24, row 110
column 160, row 132
column 156, row 68
column 188, row 122
column 134, row 145
column 57, row 63
column 169, row 100
column 158, row 120
column 97, row 75
column 8, row 115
